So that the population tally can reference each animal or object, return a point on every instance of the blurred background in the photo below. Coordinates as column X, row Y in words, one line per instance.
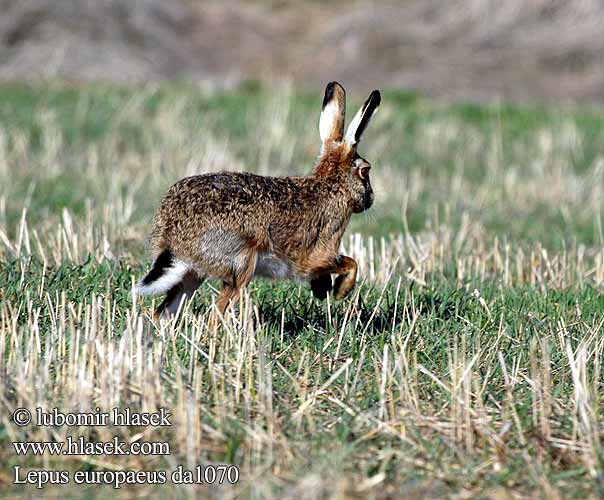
column 469, row 359
column 490, row 127
column 548, row 50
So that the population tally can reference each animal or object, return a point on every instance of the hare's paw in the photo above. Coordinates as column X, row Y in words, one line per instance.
column 321, row 286
column 347, row 275
column 343, row 286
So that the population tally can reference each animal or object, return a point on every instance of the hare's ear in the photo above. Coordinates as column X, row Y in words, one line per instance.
column 361, row 119
column 331, row 123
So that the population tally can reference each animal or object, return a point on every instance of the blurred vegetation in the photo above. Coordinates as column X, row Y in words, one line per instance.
column 523, row 173
column 467, row 362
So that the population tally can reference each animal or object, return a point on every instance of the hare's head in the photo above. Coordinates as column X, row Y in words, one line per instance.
column 339, row 159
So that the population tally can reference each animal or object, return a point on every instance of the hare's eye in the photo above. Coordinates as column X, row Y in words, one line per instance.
column 363, row 172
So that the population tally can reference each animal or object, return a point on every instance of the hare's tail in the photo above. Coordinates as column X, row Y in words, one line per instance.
column 166, row 272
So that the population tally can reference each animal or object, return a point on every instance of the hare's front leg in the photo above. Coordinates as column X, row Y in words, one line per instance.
column 346, row 270
column 321, row 285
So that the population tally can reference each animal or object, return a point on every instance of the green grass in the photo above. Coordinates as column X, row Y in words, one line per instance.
column 417, row 137
column 436, row 327
column 467, row 362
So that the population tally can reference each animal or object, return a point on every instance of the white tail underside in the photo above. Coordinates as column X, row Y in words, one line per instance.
column 172, row 276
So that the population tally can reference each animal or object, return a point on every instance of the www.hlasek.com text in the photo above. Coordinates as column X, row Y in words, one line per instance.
column 80, row 446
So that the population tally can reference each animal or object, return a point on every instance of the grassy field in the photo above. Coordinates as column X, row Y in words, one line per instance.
column 466, row 363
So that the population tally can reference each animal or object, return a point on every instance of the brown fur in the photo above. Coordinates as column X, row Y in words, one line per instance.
column 230, row 226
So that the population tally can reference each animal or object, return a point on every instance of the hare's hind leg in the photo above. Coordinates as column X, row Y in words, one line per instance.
column 232, row 288
column 178, row 293
column 227, row 294
column 347, row 275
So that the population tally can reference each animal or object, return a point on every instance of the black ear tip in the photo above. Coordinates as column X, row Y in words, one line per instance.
column 374, row 100
column 377, row 97
column 329, row 92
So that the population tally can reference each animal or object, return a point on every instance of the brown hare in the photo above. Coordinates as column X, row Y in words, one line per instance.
column 234, row 226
